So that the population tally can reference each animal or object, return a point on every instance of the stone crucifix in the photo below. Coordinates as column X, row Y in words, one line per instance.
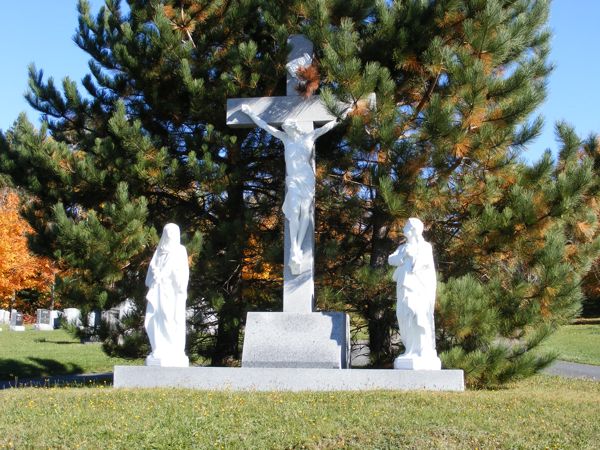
column 297, row 116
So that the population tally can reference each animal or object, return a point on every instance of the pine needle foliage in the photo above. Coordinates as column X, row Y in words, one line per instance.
column 457, row 84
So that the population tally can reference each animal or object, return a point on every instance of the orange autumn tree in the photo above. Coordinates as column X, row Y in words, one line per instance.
column 20, row 269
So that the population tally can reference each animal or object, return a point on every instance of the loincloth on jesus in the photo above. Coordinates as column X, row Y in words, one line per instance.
column 300, row 195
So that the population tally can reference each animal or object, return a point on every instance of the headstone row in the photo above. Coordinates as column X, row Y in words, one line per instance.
column 47, row 319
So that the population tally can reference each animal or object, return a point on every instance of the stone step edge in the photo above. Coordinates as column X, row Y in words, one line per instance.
column 286, row 379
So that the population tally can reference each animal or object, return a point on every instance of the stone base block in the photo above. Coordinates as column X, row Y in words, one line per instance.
column 43, row 327
column 171, row 361
column 17, row 328
column 306, row 340
column 269, row 379
column 417, row 363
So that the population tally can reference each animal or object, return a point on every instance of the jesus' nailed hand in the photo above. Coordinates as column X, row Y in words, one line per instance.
column 299, row 179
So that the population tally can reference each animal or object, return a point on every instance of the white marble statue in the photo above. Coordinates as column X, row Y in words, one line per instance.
column 415, row 291
column 299, row 179
column 165, row 320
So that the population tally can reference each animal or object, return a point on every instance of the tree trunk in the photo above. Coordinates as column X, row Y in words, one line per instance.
column 228, row 335
column 380, row 317
column 230, row 315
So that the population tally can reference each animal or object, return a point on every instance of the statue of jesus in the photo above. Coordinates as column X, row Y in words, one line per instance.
column 299, row 179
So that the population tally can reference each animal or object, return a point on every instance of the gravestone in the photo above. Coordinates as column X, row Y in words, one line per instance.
column 125, row 308
column 4, row 317
column 16, row 321
column 111, row 318
column 72, row 316
column 114, row 316
column 298, row 336
column 94, row 319
column 203, row 318
column 44, row 320
column 56, row 316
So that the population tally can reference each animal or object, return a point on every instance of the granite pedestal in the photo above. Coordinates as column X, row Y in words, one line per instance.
column 302, row 340
column 168, row 361
column 272, row 379
column 430, row 362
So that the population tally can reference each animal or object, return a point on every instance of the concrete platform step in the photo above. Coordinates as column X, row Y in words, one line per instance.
column 287, row 379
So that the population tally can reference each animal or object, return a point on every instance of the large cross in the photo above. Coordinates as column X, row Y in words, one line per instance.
column 269, row 112
column 298, row 289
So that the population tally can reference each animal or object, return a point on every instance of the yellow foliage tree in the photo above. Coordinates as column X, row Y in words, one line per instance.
column 20, row 269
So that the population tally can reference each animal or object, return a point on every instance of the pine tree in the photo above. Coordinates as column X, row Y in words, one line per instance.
column 591, row 281
column 456, row 81
column 147, row 144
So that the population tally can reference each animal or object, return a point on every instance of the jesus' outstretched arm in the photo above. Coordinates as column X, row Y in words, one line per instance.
column 261, row 123
column 324, row 129
column 330, row 125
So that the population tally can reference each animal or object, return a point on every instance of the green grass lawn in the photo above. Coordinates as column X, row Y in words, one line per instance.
column 576, row 343
column 542, row 412
column 43, row 353
column 33, row 353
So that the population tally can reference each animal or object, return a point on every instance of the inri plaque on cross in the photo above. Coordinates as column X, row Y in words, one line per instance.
column 297, row 116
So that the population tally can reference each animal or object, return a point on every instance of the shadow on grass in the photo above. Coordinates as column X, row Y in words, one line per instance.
column 35, row 367
column 47, row 341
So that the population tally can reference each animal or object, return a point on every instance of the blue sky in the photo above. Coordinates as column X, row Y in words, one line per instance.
column 41, row 31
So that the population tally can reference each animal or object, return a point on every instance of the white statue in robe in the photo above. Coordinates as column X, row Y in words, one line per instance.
column 299, row 179
column 165, row 320
column 415, row 294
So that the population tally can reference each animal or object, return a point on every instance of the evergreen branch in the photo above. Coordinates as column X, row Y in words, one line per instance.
column 421, row 105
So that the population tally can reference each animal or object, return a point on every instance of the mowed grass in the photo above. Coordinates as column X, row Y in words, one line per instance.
column 576, row 343
column 542, row 412
column 33, row 353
